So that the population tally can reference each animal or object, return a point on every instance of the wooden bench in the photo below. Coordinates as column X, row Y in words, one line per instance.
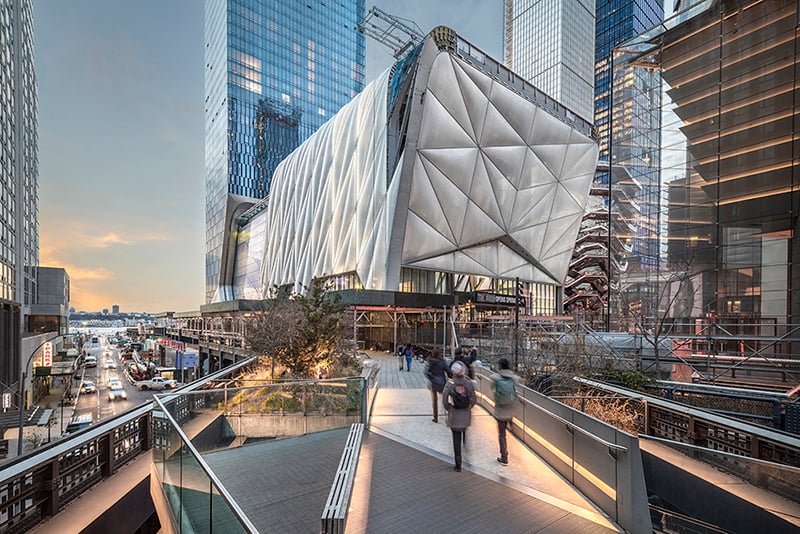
column 334, row 516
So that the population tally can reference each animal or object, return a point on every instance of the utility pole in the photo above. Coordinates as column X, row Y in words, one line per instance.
column 22, row 374
column 516, row 322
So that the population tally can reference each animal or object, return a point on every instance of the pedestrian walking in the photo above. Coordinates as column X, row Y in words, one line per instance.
column 463, row 358
column 458, row 398
column 438, row 373
column 504, row 389
column 401, row 354
column 409, row 357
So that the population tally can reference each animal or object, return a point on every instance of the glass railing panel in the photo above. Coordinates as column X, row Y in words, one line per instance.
column 195, row 496
column 229, row 417
column 167, row 454
column 223, row 519
column 202, row 422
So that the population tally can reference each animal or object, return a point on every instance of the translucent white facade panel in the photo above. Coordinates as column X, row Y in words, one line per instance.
column 487, row 184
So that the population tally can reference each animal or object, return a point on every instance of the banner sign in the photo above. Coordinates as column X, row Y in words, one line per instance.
column 47, row 354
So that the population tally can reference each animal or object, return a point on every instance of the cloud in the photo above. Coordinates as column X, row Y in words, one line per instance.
column 55, row 242
column 76, row 272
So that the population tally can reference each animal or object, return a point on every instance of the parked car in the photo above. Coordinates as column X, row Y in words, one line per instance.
column 88, row 387
column 116, row 392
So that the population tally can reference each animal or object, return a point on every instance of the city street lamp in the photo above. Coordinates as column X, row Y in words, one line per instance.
column 21, row 392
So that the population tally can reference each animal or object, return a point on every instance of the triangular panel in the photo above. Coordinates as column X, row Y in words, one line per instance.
column 457, row 164
column 508, row 160
column 548, row 130
column 534, row 172
column 422, row 193
column 482, row 193
column 442, row 83
column 439, row 129
column 480, row 228
column 533, row 206
column 497, row 131
column 426, row 240
column 552, row 156
column 452, row 199
column 517, row 111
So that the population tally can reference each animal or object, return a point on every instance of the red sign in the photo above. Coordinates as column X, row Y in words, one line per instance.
column 47, row 354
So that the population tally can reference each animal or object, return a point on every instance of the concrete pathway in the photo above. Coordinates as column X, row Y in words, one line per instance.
column 403, row 412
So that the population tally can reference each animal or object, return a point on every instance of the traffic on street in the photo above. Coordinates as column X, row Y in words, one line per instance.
column 107, row 389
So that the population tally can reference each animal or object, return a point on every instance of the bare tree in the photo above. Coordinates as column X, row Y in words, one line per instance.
column 653, row 312
column 302, row 332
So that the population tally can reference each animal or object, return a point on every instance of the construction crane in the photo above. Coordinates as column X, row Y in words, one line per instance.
column 397, row 34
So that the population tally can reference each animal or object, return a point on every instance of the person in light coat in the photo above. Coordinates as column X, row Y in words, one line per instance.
column 458, row 419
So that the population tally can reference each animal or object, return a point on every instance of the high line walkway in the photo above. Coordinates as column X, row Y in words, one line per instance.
column 405, row 481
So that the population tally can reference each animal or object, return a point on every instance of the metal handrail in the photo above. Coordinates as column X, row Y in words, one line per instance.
column 223, row 491
column 569, row 424
column 576, row 427
column 25, row 463
column 690, row 411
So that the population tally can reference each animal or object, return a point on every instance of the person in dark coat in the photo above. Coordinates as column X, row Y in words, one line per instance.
column 401, row 354
column 438, row 373
column 458, row 419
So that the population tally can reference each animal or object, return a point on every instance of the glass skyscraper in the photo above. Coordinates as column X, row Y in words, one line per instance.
column 616, row 21
column 276, row 70
column 545, row 40
column 545, row 43
column 728, row 166
column 19, row 189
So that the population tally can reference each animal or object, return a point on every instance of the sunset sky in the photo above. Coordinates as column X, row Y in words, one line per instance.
column 121, row 134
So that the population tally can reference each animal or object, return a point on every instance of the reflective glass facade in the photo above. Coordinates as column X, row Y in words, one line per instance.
column 728, row 164
column 19, row 189
column 616, row 21
column 275, row 72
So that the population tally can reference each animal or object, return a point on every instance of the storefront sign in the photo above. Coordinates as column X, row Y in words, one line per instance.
column 494, row 298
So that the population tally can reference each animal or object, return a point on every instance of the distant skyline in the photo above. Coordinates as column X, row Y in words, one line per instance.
column 121, row 140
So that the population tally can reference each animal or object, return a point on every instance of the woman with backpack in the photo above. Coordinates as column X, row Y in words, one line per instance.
column 458, row 398
column 409, row 358
column 437, row 372
column 504, row 387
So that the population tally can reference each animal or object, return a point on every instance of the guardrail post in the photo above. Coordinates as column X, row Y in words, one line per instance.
column 145, row 432
column 364, row 400
column 51, row 504
column 106, row 451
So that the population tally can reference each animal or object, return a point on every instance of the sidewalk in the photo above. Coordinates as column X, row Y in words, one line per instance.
column 403, row 413
column 61, row 416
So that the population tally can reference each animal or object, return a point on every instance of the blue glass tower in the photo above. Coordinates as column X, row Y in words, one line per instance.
column 276, row 70
column 616, row 21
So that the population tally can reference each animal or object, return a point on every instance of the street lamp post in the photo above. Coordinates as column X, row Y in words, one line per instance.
column 22, row 375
